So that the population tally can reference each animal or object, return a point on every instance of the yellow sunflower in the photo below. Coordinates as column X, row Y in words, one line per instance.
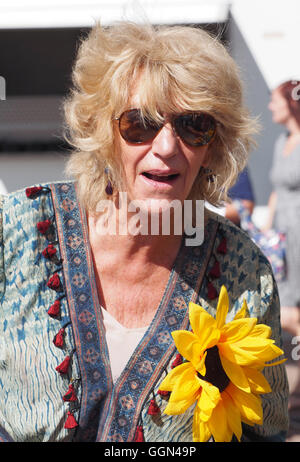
column 222, row 372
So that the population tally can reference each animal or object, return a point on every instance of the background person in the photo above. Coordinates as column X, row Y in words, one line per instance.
column 284, row 202
column 242, row 190
column 284, row 213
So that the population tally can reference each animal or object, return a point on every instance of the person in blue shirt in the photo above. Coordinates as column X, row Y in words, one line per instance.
column 243, row 191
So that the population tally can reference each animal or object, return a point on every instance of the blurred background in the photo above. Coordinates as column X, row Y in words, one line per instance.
column 38, row 43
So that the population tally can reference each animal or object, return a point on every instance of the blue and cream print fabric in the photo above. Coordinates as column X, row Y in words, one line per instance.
column 55, row 377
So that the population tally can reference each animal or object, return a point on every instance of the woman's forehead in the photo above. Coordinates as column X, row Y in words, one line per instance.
column 152, row 100
column 157, row 96
column 277, row 95
column 148, row 105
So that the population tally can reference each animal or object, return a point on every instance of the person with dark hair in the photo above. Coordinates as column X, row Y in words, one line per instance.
column 284, row 214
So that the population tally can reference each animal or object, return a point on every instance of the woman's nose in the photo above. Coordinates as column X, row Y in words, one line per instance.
column 165, row 144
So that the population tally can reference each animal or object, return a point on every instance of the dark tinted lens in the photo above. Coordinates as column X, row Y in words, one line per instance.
column 195, row 129
column 135, row 129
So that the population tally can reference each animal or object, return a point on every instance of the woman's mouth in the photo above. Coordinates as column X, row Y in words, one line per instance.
column 160, row 180
column 161, row 177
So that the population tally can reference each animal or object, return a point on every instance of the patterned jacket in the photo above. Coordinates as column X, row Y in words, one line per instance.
column 55, row 378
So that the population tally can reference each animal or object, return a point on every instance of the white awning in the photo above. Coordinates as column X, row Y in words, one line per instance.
column 272, row 33
column 79, row 13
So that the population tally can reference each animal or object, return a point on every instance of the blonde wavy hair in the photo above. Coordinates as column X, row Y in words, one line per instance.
column 180, row 68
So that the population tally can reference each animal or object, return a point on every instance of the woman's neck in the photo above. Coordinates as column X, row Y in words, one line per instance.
column 128, row 248
column 131, row 273
column 148, row 234
column 293, row 128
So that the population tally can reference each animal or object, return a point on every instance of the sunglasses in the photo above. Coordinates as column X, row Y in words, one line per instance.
column 194, row 128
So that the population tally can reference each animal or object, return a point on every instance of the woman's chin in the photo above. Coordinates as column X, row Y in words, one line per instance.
column 154, row 205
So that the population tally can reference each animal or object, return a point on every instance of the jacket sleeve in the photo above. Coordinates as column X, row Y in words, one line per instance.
column 2, row 280
column 275, row 404
column 249, row 276
column 4, row 436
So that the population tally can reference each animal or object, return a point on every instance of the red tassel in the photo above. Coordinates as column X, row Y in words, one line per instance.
column 215, row 271
column 70, row 422
column 63, row 367
column 59, row 338
column 153, row 408
column 163, row 393
column 54, row 282
column 222, row 248
column 32, row 193
column 43, row 226
column 211, row 291
column 177, row 361
column 70, row 395
column 139, row 434
column 49, row 251
column 54, row 309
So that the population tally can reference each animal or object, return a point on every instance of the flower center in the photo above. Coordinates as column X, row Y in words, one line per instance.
column 215, row 373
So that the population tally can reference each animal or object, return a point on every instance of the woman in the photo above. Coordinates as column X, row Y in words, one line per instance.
column 89, row 305
column 284, row 213
column 284, row 203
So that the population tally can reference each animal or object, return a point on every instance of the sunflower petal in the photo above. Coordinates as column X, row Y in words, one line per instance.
column 236, row 374
column 222, row 307
column 248, row 404
column 236, row 355
column 203, row 326
column 188, row 344
column 218, row 424
column 276, row 363
column 185, row 391
column 255, row 343
column 202, row 368
column 209, row 398
column 238, row 329
column 192, row 347
column 261, row 330
column 250, row 351
column 264, row 349
column 195, row 312
column 176, row 407
column 242, row 313
column 186, row 386
column 201, row 432
column 233, row 415
column 258, row 382
column 170, row 380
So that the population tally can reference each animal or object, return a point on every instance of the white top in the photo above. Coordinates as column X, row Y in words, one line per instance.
column 121, row 342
